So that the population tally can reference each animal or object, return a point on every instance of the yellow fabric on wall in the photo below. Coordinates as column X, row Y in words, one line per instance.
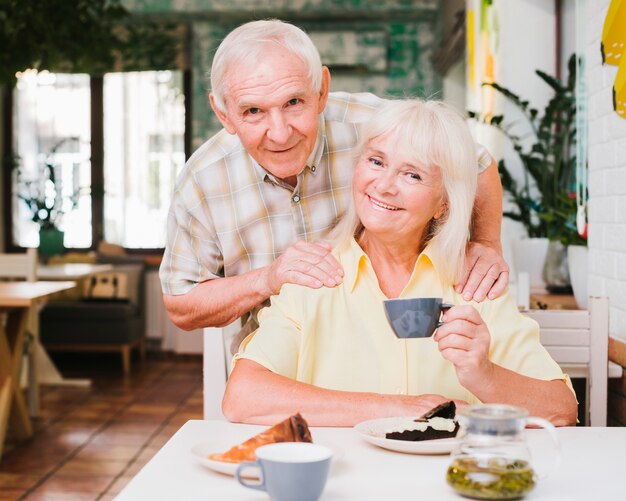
column 614, row 33
column 613, row 47
column 619, row 89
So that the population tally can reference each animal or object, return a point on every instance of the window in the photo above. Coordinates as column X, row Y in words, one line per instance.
column 114, row 145
column 144, row 126
column 51, row 127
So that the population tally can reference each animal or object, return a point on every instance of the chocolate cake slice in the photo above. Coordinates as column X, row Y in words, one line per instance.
column 436, row 423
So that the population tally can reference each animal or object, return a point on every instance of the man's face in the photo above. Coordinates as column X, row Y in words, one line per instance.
column 274, row 111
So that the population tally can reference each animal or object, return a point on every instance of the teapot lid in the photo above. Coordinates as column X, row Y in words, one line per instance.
column 493, row 419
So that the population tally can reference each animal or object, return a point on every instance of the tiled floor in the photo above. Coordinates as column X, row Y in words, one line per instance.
column 90, row 442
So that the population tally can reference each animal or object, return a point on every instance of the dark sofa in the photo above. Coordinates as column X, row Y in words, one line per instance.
column 103, row 325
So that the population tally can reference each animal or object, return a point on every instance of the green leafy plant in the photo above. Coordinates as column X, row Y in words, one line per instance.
column 545, row 202
column 79, row 36
column 42, row 194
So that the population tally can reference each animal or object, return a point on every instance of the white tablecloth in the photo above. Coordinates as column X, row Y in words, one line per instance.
column 593, row 467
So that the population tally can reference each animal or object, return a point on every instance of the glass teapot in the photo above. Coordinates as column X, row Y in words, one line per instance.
column 492, row 459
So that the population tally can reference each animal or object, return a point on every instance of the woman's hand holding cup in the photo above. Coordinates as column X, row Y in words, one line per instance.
column 464, row 340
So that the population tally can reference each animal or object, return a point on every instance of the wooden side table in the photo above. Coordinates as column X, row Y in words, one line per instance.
column 17, row 299
column 546, row 301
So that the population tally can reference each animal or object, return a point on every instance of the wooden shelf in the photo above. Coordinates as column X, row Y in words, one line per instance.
column 552, row 301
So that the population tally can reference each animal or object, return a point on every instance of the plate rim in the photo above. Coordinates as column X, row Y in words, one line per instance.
column 437, row 446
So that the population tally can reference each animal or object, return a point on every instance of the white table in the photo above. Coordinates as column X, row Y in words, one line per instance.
column 591, row 468
column 70, row 271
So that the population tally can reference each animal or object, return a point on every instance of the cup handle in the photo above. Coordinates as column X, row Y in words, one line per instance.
column 547, row 425
column 250, row 464
column 444, row 307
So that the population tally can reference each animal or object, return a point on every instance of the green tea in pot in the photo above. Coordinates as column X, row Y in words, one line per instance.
column 497, row 478
column 492, row 459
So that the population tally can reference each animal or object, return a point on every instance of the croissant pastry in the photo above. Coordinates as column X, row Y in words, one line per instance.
column 292, row 429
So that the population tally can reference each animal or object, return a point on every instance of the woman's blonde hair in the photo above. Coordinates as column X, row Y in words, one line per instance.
column 438, row 137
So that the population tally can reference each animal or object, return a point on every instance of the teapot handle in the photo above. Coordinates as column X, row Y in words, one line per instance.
column 547, row 425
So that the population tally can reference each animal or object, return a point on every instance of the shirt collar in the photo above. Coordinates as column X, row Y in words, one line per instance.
column 320, row 143
column 355, row 262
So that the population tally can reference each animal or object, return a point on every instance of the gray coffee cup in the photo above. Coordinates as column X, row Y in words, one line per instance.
column 415, row 317
column 289, row 470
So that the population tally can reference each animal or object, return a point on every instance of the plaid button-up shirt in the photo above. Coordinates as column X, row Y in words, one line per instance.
column 229, row 215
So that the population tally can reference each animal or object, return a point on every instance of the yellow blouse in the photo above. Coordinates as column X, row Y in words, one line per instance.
column 339, row 338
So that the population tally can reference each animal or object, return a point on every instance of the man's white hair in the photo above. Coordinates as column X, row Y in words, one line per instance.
column 436, row 136
column 246, row 45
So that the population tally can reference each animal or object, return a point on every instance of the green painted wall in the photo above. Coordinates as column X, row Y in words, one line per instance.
column 380, row 47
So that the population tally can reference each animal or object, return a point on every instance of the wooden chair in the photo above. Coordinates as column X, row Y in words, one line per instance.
column 19, row 266
column 578, row 341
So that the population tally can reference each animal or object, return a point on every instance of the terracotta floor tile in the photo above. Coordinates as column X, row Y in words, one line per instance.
column 152, row 408
column 107, row 497
column 31, row 461
column 160, row 440
column 84, row 425
column 16, row 481
column 190, row 408
column 93, row 484
column 135, row 467
column 95, row 452
column 181, row 419
column 131, row 417
column 90, row 414
column 146, row 454
column 11, row 494
column 45, row 495
column 106, row 467
column 117, row 438
column 90, row 439
column 119, row 484
column 132, row 427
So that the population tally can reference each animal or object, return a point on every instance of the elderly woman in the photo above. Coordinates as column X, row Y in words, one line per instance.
column 330, row 354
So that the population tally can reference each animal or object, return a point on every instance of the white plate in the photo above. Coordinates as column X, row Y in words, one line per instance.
column 374, row 431
column 203, row 450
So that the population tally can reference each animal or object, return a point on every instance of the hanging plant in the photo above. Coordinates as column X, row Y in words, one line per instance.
column 81, row 36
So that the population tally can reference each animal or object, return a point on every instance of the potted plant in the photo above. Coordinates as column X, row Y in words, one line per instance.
column 42, row 195
column 545, row 202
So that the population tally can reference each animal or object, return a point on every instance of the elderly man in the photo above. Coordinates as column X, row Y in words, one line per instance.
column 254, row 203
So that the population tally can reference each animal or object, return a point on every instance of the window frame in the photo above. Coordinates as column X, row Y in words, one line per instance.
column 96, row 83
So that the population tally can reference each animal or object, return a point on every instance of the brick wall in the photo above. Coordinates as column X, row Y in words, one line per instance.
column 607, row 201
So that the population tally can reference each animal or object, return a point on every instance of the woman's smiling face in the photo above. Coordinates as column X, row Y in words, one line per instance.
column 395, row 195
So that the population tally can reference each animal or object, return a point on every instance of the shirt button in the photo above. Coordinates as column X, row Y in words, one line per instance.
column 295, row 199
column 313, row 168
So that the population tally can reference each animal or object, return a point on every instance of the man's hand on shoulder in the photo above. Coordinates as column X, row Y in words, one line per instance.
column 486, row 273
column 308, row 264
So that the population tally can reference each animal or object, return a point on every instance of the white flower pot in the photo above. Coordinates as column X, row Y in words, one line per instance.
column 529, row 255
column 577, row 258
